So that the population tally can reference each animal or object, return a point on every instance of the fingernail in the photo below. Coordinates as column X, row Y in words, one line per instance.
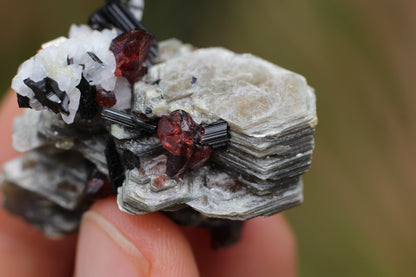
column 104, row 251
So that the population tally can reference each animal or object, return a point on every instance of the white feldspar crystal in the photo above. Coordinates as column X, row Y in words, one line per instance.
column 88, row 40
column 25, row 133
column 52, row 61
column 256, row 97
column 122, row 92
column 171, row 48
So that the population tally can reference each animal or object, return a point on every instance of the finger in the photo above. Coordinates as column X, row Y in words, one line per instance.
column 24, row 251
column 8, row 110
column 267, row 248
column 112, row 243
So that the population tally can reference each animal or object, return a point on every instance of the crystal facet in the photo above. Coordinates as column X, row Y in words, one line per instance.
column 131, row 50
column 179, row 133
column 105, row 98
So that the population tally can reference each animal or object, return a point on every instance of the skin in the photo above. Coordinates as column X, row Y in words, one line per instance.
column 112, row 243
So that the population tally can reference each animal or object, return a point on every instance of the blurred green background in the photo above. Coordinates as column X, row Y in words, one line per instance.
column 358, row 216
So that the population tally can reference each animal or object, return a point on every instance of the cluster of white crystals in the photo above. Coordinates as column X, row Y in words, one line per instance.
column 65, row 60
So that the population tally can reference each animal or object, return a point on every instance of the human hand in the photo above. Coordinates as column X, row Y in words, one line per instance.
column 112, row 243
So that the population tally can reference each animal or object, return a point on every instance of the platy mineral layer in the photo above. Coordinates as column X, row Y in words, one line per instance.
column 207, row 136
column 271, row 114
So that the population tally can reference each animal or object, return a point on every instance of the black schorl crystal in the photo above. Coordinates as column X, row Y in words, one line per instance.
column 156, row 82
column 88, row 107
column 194, row 80
column 116, row 170
column 148, row 110
column 69, row 60
column 23, row 101
column 224, row 232
column 125, row 119
column 94, row 57
column 47, row 92
column 116, row 14
column 216, row 134
column 130, row 160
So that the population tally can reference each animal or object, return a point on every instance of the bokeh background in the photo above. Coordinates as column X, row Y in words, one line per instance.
column 358, row 218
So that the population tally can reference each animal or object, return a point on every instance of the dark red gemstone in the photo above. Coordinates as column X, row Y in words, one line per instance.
column 160, row 182
column 181, row 136
column 131, row 50
column 98, row 186
column 105, row 98
column 200, row 157
column 176, row 165
column 179, row 133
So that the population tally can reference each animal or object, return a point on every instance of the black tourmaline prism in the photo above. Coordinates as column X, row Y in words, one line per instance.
column 88, row 107
column 115, row 14
column 23, row 101
column 116, row 170
column 47, row 92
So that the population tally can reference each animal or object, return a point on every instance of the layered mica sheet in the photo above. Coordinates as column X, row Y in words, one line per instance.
column 271, row 112
column 209, row 137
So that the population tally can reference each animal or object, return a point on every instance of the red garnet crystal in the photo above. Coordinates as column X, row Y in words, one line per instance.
column 181, row 135
column 98, row 186
column 200, row 157
column 131, row 50
column 160, row 182
column 105, row 98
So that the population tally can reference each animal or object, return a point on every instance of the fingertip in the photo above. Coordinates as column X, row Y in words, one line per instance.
column 267, row 248
column 25, row 251
column 8, row 110
column 144, row 245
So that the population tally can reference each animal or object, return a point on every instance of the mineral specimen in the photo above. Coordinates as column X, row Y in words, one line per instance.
column 209, row 137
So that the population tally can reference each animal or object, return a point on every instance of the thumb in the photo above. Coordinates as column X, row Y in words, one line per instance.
column 112, row 243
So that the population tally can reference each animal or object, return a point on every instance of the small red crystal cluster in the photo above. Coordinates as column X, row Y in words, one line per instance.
column 98, row 186
column 105, row 99
column 131, row 50
column 181, row 136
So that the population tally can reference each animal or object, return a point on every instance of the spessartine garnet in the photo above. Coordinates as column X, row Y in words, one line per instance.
column 131, row 50
column 98, row 186
column 105, row 98
column 181, row 136
column 200, row 157
column 179, row 133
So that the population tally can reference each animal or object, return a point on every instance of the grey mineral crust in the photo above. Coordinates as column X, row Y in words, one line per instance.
column 46, row 187
column 52, row 219
column 57, row 176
